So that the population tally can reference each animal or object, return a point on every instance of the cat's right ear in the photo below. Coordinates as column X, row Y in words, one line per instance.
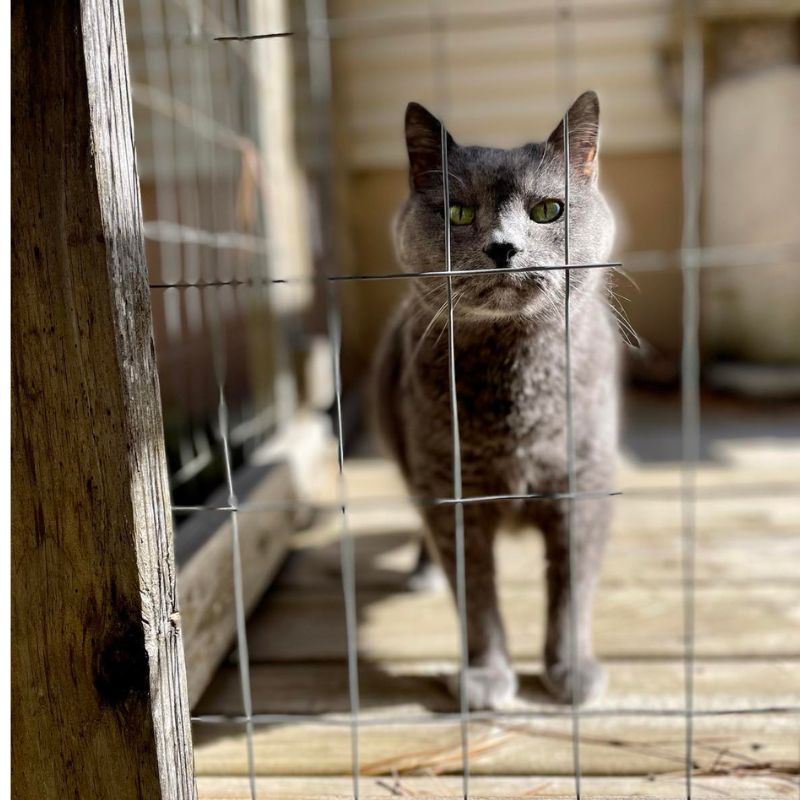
column 424, row 144
column 584, row 128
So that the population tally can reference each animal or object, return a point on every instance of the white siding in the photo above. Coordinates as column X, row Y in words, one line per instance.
column 503, row 72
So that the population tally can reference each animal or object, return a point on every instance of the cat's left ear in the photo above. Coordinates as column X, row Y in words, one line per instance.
column 424, row 144
column 583, row 122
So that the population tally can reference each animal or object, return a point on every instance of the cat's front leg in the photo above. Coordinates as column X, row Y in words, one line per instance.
column 567, row 677
column 489, row 681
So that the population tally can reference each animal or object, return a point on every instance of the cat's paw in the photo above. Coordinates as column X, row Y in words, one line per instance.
column 560, row 681
column 427, row 577
column 486, row 687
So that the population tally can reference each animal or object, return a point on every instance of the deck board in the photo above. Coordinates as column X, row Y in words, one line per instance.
column 732, row 552
column 747, row 646
column 746, row 786
column 636, row 621
column 609, row 746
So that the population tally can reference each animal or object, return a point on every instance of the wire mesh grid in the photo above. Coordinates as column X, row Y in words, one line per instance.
column 200, row 32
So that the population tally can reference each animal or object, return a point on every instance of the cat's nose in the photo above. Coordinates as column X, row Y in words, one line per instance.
column 500, row 252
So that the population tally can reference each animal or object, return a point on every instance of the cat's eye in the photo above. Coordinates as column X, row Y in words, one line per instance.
column 461, row 215
column 548, row 210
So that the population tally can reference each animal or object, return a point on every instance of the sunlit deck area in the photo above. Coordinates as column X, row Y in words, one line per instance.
column 632, row 739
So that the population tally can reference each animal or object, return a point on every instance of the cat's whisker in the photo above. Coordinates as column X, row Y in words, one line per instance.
column 427, row 330
column 628, row 277
column 625, row 325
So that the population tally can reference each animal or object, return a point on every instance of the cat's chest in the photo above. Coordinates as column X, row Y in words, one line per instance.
column 515, row 396
column 505, row 389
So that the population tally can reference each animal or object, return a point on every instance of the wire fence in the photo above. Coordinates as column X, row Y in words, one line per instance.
column 201, row 251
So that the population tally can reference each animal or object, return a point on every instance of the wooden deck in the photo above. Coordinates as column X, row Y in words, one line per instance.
column 747, row 650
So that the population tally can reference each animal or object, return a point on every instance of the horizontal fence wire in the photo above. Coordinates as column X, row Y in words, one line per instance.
column 388, row 276
column 445, row 717
column 716, row 257
column 355, row 27
column 643, row 494
column 388, row 25
column 177, row 233
column 252, row 37
column 191, row 118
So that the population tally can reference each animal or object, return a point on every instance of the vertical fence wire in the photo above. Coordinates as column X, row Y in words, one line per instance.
column 321, row 89
column 565, row 63
column 692, row 160
column 202, row 98
column 458, row 492
column 438, row 33
column 571, row 481
column 238, row 592
column 346, row 548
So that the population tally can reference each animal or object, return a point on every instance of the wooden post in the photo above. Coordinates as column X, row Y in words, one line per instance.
column 99, row 704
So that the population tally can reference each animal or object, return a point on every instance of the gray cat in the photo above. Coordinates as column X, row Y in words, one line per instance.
column 507, row 210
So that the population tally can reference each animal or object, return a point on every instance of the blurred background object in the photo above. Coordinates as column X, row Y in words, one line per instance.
column 224, row 198
column 752, row 314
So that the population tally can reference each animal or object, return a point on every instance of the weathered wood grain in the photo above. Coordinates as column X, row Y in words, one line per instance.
column 205, row 576
column 533, row 746
column 99, row 701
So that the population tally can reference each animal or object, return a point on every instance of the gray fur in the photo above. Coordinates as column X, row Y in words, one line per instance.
column 510, row 356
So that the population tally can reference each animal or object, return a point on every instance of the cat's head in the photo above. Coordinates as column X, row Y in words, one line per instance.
column 506, row 210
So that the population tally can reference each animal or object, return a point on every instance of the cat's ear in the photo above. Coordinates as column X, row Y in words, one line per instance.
column 583, row 122
column 424, row 143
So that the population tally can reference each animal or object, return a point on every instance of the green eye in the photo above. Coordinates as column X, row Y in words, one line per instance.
column 461, row 215
column 548, row 210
